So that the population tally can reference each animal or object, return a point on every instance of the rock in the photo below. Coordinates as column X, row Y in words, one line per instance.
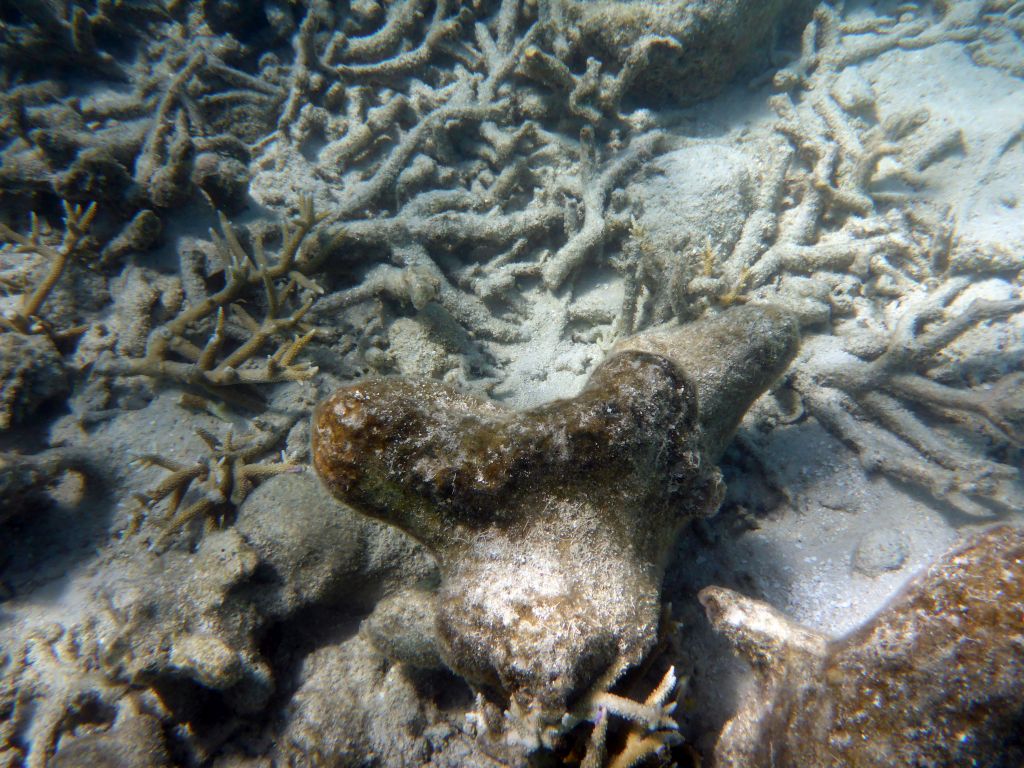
column 696, row 196
column 551, row 526
column 313, row 550
column 31, row 372
column 880, row 550
column 402, row 628
column 935, row 679
column 349, row 704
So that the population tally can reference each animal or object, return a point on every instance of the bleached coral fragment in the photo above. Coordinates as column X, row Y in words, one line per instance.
column 885, row 405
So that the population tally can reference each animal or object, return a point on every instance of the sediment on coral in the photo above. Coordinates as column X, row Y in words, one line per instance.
column 519, row 508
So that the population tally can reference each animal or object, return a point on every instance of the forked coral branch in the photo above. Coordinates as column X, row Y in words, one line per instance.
column 171, row 353
column 882, row 406
column 651, row 727
column 77, row 221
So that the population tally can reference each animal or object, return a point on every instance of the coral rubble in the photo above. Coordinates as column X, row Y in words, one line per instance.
column 937, row 678
column 551, row 526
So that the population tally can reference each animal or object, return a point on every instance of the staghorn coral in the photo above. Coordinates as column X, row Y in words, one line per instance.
column 56, row 683
column 171, row 353
column 936, row 678
column 24, row 317
column 224, row 478
column 168, row 118
column 551, row 526
column 881, row 397
column 650, row 729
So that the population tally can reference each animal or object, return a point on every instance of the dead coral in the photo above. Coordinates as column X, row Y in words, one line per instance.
column 31, row 373
column 56, row 683
column 550, row 581
column 934, row 679
column 25, row 318
column 882, row 399
column 171, row 352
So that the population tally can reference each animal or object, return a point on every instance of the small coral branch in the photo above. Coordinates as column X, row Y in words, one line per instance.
column 651, row 727
column 25, row 319
column 171, row 352
column 223, row 478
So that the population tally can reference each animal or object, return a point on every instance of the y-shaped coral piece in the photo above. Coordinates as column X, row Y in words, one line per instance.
column 936, row 678
column 25, row 319
column 552, row 526
column 171, row 354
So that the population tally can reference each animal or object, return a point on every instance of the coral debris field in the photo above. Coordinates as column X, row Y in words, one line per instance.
column 622, row 303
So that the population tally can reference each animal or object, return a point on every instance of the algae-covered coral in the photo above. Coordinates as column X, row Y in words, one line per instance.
column 551, row 527
column 541, row 241
column 934, row 679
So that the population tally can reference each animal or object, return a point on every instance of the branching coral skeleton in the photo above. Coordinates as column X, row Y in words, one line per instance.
column 883, row 407
column 207, row 365
column 57, row 677
column 224, row 478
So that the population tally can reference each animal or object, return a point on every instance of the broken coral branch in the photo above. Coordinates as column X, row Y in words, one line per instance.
column 25, row 318
column 884, row 407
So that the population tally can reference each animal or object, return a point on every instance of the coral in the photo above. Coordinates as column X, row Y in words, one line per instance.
column 666, row 52
column 170, row 352
column 165, row 94
column 25, row 317
column 57, row 683
column 881, row 396
column 551, row 526
column 224, row 477
column 936, row 678
column 651, row 727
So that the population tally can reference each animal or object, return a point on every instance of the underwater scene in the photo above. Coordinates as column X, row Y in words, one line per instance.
column 511, row 383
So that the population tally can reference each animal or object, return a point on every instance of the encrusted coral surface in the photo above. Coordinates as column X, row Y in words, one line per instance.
column 551, row 526
column 937, row 678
